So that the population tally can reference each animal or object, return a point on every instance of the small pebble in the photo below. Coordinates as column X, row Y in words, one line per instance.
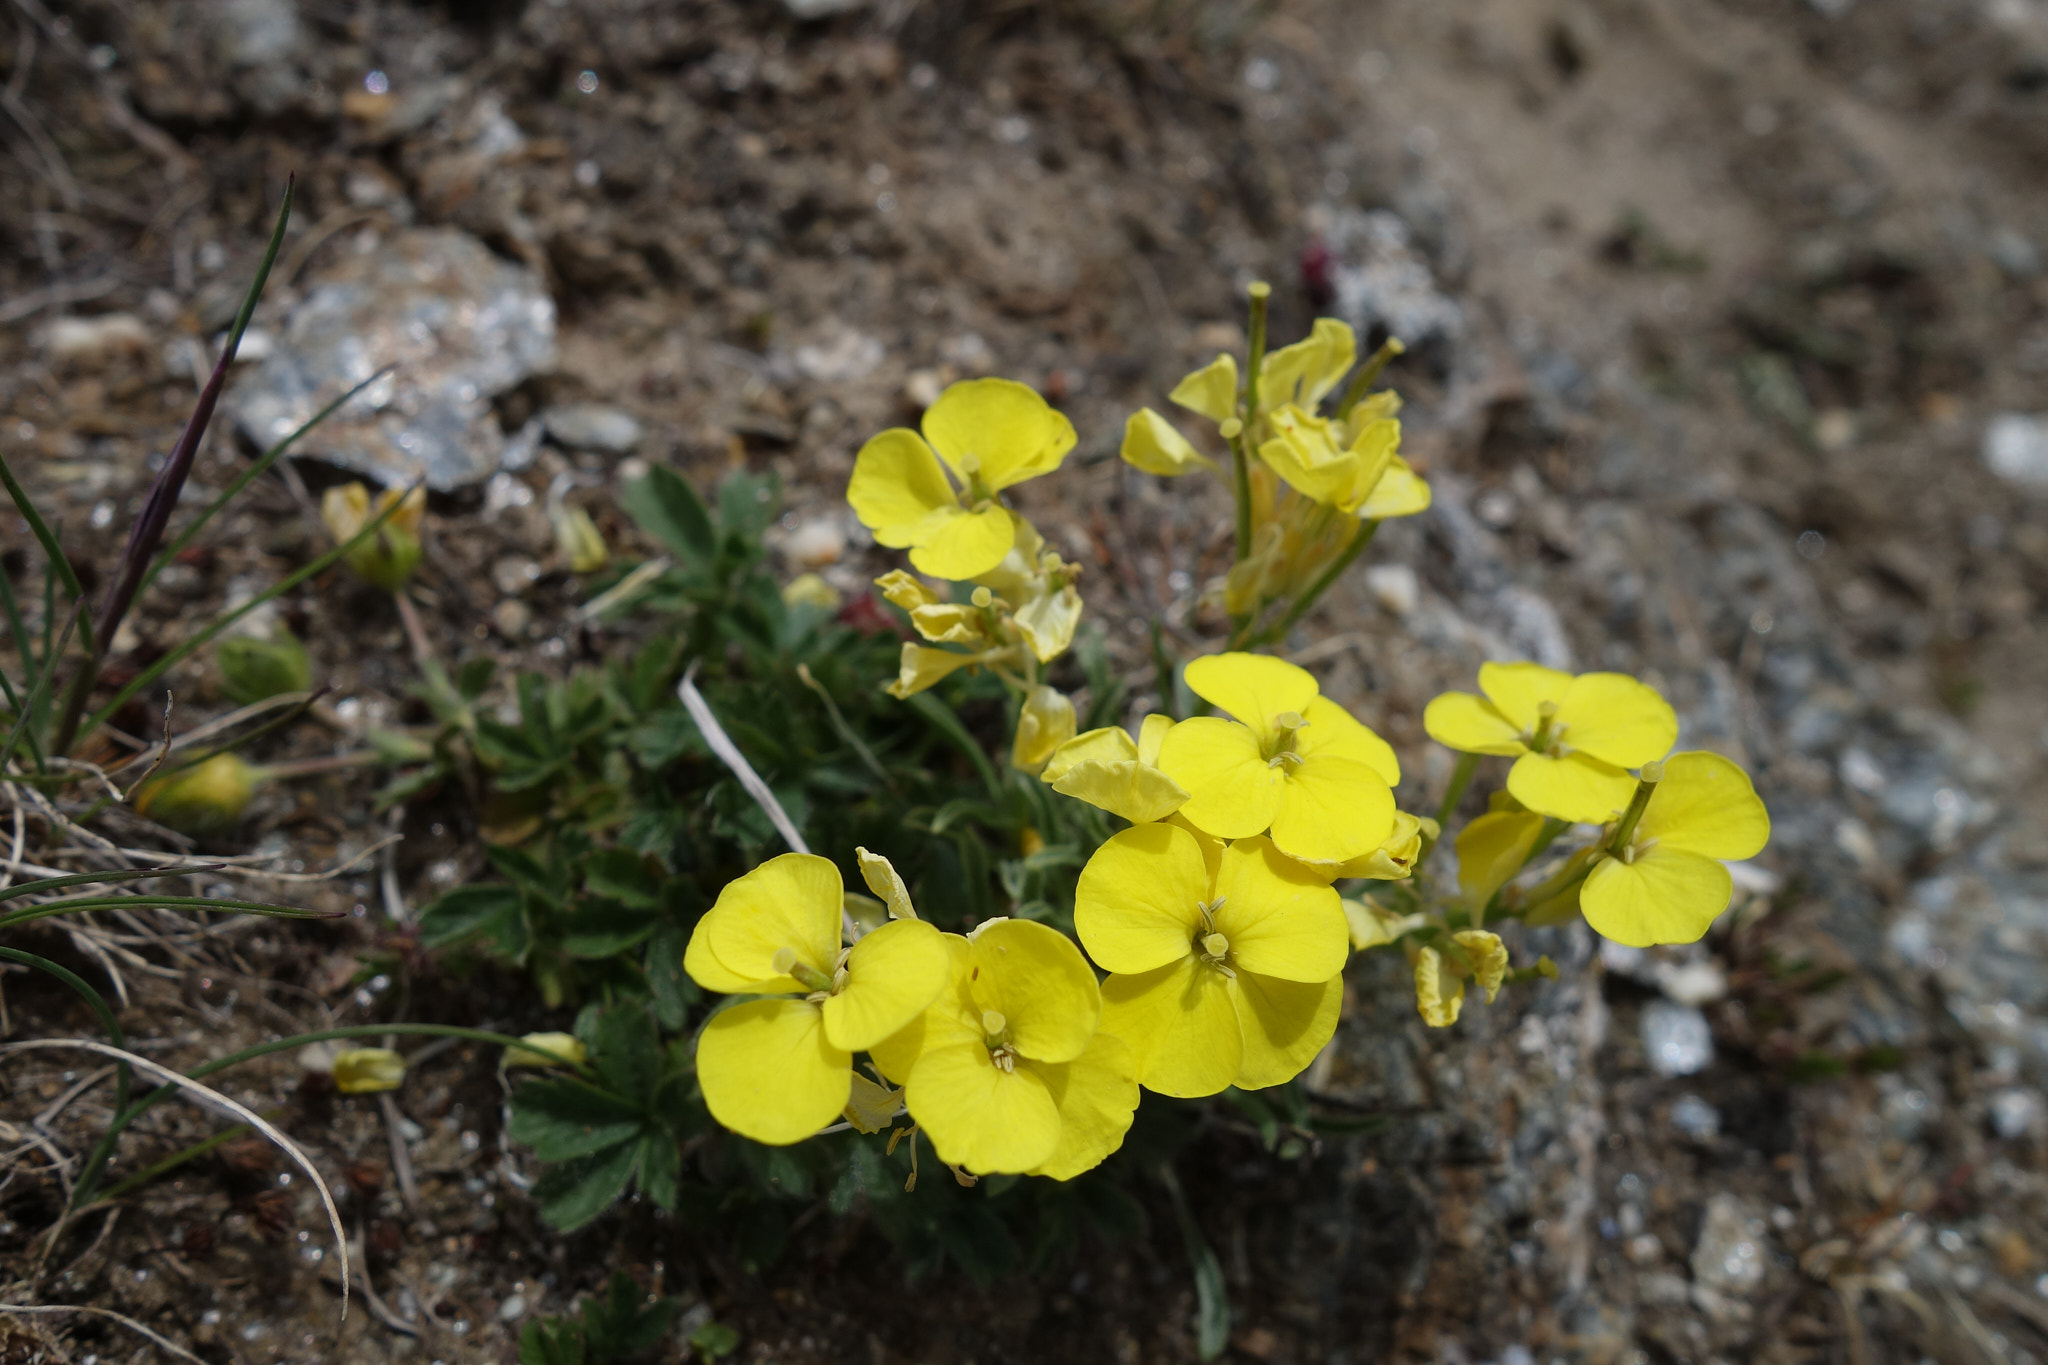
column 1676, row 1038
column 512, row 1309
column 593, row 426
column 1695, row 1118
column 1395, row 587
column 512, row 616
column 815, row 544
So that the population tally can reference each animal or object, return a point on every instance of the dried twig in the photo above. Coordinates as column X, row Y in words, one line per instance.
column 130, row 1323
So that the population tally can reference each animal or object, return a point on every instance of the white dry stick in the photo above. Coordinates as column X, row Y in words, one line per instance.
column 730, row 755
column 210, row 1098
column 130, row 1323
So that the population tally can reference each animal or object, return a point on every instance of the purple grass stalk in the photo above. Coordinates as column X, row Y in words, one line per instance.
column 147, row 532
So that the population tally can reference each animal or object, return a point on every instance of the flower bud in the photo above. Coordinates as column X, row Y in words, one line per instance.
column 207, row 798
column 547, row 1049
column 253, row 669
column 578, row 538
column 387, row 559
column 367, row 1070
column 810, row 590
column 1046, row 722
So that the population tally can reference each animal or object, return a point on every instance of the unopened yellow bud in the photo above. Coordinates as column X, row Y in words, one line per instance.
column 204, row 799
column 253, row 669
column 367, row 1070
column 547, row 1049
column 387, row 559
column 578, row 538
column 810, row 590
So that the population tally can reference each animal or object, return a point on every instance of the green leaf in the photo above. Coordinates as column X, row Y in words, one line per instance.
column 523, row 868
column 474, row 676
column 551, row 1341
column 715, row 1340
column 562, row 1118
column 664, row 737
column 669, row 988
column 598, row 929
column 468, row 912
column 573, row 1194
column 1212, row 1299
column 623, row 876
column 661, row 1167
column 746, row 504
column 627, row 1051
column 664, row 506
column 624, row 1321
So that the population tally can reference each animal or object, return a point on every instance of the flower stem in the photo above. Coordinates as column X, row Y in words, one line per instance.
column 1241, row 473
column 1241, row 440
column 1315, row 590
column 1646, row 786
column 1354, row 393
column 1461, row 778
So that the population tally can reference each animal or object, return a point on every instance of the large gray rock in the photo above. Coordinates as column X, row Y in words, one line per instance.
column 460, row 324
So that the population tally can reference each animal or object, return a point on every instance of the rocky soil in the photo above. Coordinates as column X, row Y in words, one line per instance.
column 1730, row 367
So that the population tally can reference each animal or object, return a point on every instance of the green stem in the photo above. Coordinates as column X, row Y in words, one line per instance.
column 1646, row 786
column 1354, row 393
column 1241, row 487
column 73, row 905
column 1260, row 292
column 1315, row 590
column 177, row 1159
column 1461, row 778
column 123, row 1076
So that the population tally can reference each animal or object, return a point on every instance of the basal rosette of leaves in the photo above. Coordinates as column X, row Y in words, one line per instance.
column 982, row 915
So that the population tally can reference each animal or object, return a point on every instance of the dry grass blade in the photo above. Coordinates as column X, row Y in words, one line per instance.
column 211, row 1098
column 130, row 1323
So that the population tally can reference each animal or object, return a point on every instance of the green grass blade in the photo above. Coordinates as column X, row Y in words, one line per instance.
column 248, row 476
column 123, row 1076
column 41, row 530
column 87, row 878
column 41, row 689
column 198, row 640
column 73, row 905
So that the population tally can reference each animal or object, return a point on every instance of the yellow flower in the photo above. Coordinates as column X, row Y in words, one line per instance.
column 885, row 881
column 1491, row 850
column 810, row 590
column 1035, row 588
column 1224, row 960
column 778, row 1070
column 1045, row 723
column 1210, row 391
column 1007, row 1072
column 1155, row 445
column 1440, row 977
column 1336, row 463
column 387, row 559
column 206, row 798
column 872, row 1107
column 367, row 1070
column 990, row 434
column 1293, row 762
column 1666, row 883
column 1571, row 737
column 1400, row 492
column 547, row 1049
column 1108, row 770
column 1308, row 371
column 1373, row 925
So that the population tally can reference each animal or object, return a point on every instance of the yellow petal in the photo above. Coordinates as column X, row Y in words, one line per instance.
column 1097, row 1096
column 1401, row 492
column 1280, row 918
column 1305, row 372
column 1395, row 858
column 922, row 666
column 1332, row 810
column 1374, row 926
column 1332, row 732
column 945, row 1021
column 1129, row 789
column 1043, row 725
column 1576, row 787
column 1286, row 1023
column 1181, row 1024
column 1667, row 895
column 1439, row 995
column 792, row 902
column 1617, row 719
column 882, row 878
column 367, row 1070
column 1210, row 391
column 1153, row 444
column 1137, row 905
column 1233, row 791
column 768, row 1072
column 898, row 489
column 1003, row 429
column 1048, row 621
column 1034, row 976
column 1110, row 744
column 1472, row 725
column 1705, row 804
column 1313, row 469
column 906, row 590
column 1491, row 850
column 962, row 544
column 948, row 623
column 1253, row 688
column 980, row 1117
column 1152, row 732
column 1488, row 956
column 892, row 974
column 869, row 1107
column 1519, row 689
